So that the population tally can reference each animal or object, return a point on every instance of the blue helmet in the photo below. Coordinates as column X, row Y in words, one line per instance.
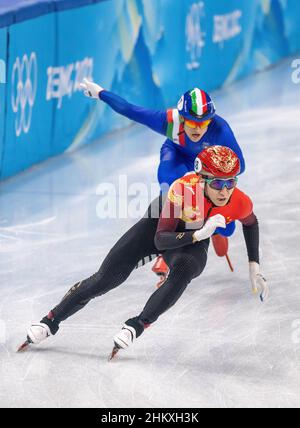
column 196, row 105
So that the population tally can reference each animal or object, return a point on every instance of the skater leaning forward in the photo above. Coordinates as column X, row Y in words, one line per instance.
column 190, row 127
column 181, row 235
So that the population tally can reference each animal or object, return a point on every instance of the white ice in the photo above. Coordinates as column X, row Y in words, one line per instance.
column 219, row 346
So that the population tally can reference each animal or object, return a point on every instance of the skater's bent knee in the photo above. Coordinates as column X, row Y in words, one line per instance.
column 186, row 263
column 182, row 259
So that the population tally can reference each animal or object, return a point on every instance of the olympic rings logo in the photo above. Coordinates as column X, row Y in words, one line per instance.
column 24, row 87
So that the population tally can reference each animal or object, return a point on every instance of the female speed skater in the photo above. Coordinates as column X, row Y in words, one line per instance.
column 189, row 128
column 196, row 205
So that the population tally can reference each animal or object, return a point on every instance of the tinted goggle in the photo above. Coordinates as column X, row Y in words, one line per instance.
column 193, row 124
column 219, row 183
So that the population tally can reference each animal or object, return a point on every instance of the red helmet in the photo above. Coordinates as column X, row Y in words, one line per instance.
column 219, row 161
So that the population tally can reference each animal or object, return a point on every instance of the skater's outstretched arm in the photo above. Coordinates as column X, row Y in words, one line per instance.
column 251, row 235
column 154, row 119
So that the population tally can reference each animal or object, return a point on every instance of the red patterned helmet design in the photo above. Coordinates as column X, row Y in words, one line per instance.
column 219, row 161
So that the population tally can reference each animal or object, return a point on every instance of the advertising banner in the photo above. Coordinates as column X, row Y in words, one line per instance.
column 29, row 119
column 3, row 44
column 147, row 51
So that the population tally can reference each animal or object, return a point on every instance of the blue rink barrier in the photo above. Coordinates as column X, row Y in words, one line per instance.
column 149, row 51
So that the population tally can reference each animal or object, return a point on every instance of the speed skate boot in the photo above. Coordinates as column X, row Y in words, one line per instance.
column 221, row 246
column 131, row 330
column 161, row 269
column 38, row 332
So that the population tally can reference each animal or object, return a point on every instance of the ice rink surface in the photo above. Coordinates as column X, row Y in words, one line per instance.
column 218, row 346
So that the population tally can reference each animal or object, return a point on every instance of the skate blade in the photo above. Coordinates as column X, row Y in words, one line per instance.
column 24, row 346
column 113, row 353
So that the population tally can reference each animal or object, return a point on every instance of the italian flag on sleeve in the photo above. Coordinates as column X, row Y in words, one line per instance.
column 175, row 128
